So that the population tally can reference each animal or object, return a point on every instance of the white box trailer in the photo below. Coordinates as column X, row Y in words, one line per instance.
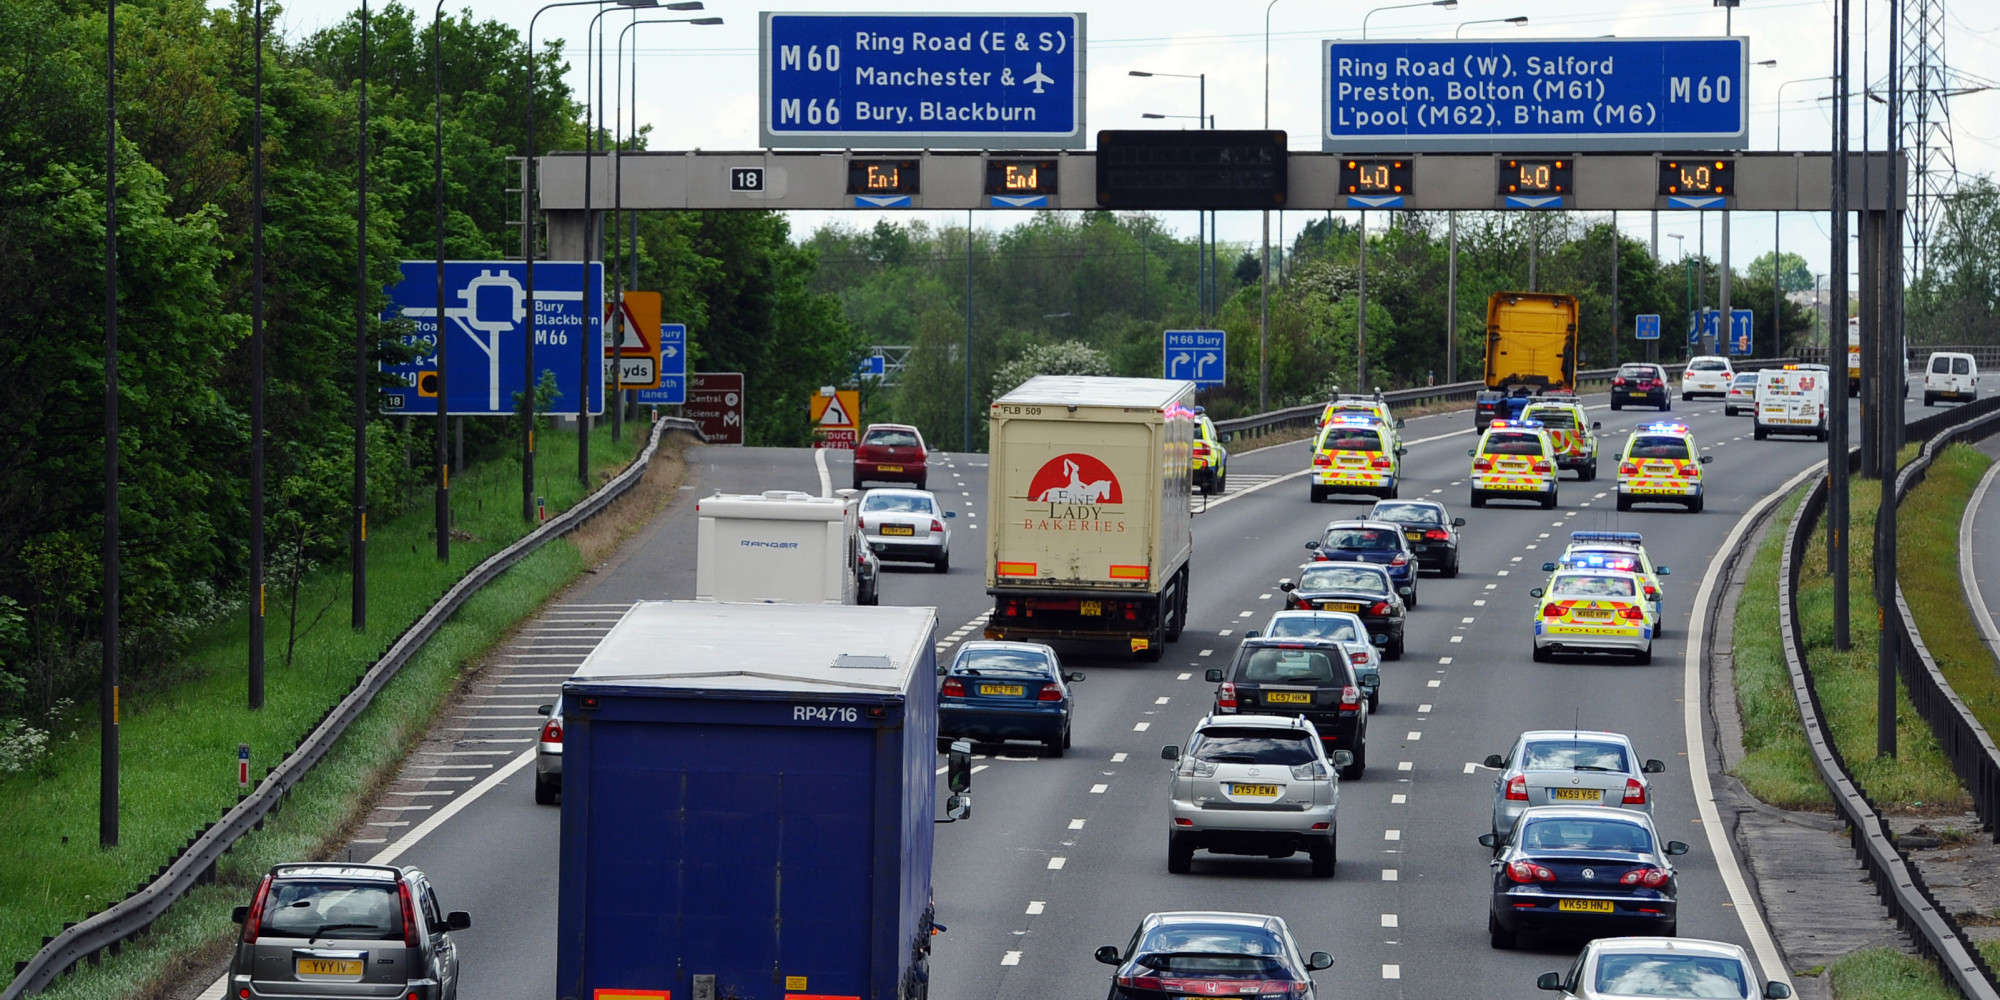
column 1091, row 532
column 778, row 547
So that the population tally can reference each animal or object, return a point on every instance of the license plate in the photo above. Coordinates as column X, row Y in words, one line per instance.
column 1006, row 689
column 329, row 966
column 1513, row 466
column 1268, row 791
column 1588, row 615
column 1584, row 905
column 1659, row 470
column 1636, row 392
column 888, row 468
column 1288, row 698
column 1576, row 794
column 1415, row 536
column 1339, row 606
column 1093, row 608
column 898, row 529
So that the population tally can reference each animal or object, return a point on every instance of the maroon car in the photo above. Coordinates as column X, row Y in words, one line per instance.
column 890, row 453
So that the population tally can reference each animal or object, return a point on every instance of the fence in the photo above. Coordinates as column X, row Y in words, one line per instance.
column 110, row 928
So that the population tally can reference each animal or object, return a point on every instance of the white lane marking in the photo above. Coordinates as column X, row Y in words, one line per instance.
column 1035, row 907
column 1532, row 545
column 1163, row 699
column 1184, row 677
column 1392, row 972
column 1245, row 614
column 1388, row 920
column 1423, row 710
column 1208, row 652
column 1140, row 727
column 1458, row 638
column 1433, row 682
column 1967, row 579
column 1405, row 765
column 980, row 767
column 1098, row 789
column 940, row 770
column 1720, row 844
column 1444, row 661
column 1225, row 631
column 1546, row 534
column 1480, row 603
column 377, row 822
column 424, row 829
column 1555, row 524
column 1076, row 824
column 1465, row 621
column 1501, row 572
column 1263, row 597
column 825, row 478
column 1414, row 735
column 1388, row 874
column 1055, row 864
column 1492, row 586
column 1392, row 835
column 1118, row 758
column 1013, row 957
column 1471, row 768
column 1398, row 799
column 1598, row 496
column 1517, row 558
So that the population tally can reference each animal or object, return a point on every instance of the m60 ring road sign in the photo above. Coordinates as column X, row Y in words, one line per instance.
column 931, row 81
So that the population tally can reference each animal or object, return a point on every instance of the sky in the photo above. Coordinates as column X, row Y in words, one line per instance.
column 698, row 84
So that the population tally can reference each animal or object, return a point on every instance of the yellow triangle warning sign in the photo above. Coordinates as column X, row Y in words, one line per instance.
column 835, row 415
column 839, row 410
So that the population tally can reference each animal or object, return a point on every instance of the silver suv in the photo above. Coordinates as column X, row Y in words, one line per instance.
column 346, row 930
column 1258, row 785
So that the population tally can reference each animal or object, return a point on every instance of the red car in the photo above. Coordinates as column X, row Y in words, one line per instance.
column 890, row 453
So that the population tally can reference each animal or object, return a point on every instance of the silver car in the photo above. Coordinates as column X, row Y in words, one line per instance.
column 907, row 525
column 346, row 930
column 548, row 756
column 1339, row 626
column 1685, row 968
column 1259, row 785
column 1570, row 767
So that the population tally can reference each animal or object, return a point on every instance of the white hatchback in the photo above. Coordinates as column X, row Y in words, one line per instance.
column 907, row 525
column 1706, row 375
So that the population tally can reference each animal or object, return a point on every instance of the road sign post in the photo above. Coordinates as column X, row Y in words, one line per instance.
column 905, row 81
column 1648, row 327
column 1199, row 356
column 486, row 321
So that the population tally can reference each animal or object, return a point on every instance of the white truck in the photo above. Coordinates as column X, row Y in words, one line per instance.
column 1791, row 400
column 778, row 547
column 1091, row 529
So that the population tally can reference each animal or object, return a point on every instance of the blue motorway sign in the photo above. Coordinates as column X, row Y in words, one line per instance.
column 1648, row 327
column 1742, row 333
column 486, row 323
column 1552, row 95
column 1198, row 356
column 1012, row 81
column 872, row 366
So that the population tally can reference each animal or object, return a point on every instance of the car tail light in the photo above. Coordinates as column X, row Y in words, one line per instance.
column 1225, row 696
column 1628, row 469
column 1552, row 611
column 409, row 915
column 1131, row 612
column 1690, row 470
column 1517, row 788
column 1381, row 462
column 1381, row 608
column 1542, row 465
column 1322, row 460
column 1652, row 594
column 1631, row 614
column 1437, row 535
column 1350, row 697
column 1050, row 692
column 1528, row 871
column 1400, row 561
column 862, row 523
column 1201, row 451
column 1194, row 767
column 1358, row 659
column 1301, row 604
column 1141, row 982
column 552, row 731
column 1482, row 464
column 1651, row 878
column 1314, row 771
column 255, row 920
column 1635, row 793
column 1620, row 380
column 953, row 688
column 1011, row 609
column 937, row 526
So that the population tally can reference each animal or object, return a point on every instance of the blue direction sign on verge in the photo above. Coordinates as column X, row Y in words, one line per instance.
column 1742, row 333
column 486, row 324
column 976, row 81
column 1554, row 95
column 1198, row 356
column 1648, row 326
column 673, row 369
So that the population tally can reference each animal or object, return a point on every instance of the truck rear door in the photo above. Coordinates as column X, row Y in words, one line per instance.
column 1077, row 504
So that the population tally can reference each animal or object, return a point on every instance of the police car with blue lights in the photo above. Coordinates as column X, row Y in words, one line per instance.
column 1356, row 453
column 1624, row 551
column 1661, row 464
column 1515, row 460
column 1592, row 611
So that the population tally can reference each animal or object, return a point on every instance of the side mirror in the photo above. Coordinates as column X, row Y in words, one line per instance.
column 1371, row 680
column 1343, row 758
column 1073, row 676
column 1401, row 423
column 941, row 670
column 1227, row 437
column 1381, row 640
column 1471, row 452
column 958, row 766
column 1494, row 760
column 1107, row 954
column 1213, row 676
column 1653, row 766
column 1549, row 981
column 1458, row 522
column 1664, row 571
column 958, row 807
column 1400, row 450
column 1676, row 848
column 1406, row 591
column 1548, row 567
column 1776, row 991
column 1490, row 840
column 1597, row 425
column 1285, row 585
column 951, row 513
column 1535, row 593
column 1705, row 459
column 1252, row 634
column 550, row 709
column 1170, row 752
column 1312, row 545
column 240, row 914
column 1318, row 960
column 457, row 920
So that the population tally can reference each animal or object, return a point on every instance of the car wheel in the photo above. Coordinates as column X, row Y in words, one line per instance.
column 1450, row 570
column 1624, row 502
column 1318, row 494
column 1644, row 657
column 1180, row 855
column 1542, row 655
column 1501, row 939
column 1375, row 701
column 1930, row 399
column 1222, row 484
column 1550, row 503
column 1666, row 404
column 1393, row 491
column 1616, row 405
column 922, row 484
column 1065, row 737
column 943, row 563
column 1325, row 858
column 1476, row 500
column 1360, row 766
column 1054, row 748
column 1686, row 396
column 1394, row 651
column 1694, row 506
column 1411, row 601
column 857, row 482
column 1672, row 929
column 545, row 791
column 1153, row 651
column 1758, row 433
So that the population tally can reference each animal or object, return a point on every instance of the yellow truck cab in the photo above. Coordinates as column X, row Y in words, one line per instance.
column 1574, row 433
column 1356, row 453
column 1661, row 464
column 1515, row 460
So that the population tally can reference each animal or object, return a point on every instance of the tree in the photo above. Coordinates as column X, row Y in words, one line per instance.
column 1068, row 358
column 1795, row 274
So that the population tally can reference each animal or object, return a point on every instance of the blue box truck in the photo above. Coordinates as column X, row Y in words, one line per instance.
column 748, row 798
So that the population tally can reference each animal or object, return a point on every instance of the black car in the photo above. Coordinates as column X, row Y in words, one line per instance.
column 1641, row 385
column 1428, row 528
column 1308, row 678
column 1357, row 588
column 1370, row 541
column 867, row 575
column 1197, row 953
column 1581, row 868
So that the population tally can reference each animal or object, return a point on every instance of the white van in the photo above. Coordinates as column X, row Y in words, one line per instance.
column 1791, row 400
column 1949, row 375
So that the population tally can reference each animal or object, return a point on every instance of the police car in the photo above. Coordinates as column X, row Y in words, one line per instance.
column 1349, row 403
column 1592, row 611
column 1356, row 453
column 1661, row 464
column 1515, row 460
column 1574, row 434
column 1620, row 550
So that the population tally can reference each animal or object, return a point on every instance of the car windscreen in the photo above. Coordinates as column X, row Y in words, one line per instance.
column 1213, row 951
column 1362, row 540
column 1407, row 513
column 1638, row 371
column 1744, row 380
column 1705, row 977
column 1556, row 417
column 1002, row 662
column 1314, row 627
column 1659, row 446
column 308, row 909
column 891, row 439
column 1265, row 665
column 1572, row 755
column 1708, row 365
column 1579, row 585
column 1258, row 745
column 1344, row 578
column 1513, row 443
column 895, row 504
column 1351, row 439
column 1551, row 833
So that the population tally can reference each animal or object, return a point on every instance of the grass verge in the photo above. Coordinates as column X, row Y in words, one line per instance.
column 1927, row 564
column 178, row 742
column 1888, row 974
column 1776, row 767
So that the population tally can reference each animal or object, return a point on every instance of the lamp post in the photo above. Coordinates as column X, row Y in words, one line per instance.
column 357, row 541
column 256, row 666
column 440, row 460
column 1516, row 21
column 1446, row 4
column 1680, row 250
column 1204, row 230
column 107, row 692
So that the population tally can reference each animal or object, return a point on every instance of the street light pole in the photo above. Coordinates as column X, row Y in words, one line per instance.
column 256, row 668
column 357, row 543
column 1516, row 21
column 440, row 459
column 107, row 691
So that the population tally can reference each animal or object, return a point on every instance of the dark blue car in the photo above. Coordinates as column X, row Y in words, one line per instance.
column 998, row 691
column 1585, row 869
column 1379, row 542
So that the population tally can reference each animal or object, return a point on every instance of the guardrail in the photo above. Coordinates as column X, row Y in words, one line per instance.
column 1899, row 885
column 1424, row 395
column 110, row 928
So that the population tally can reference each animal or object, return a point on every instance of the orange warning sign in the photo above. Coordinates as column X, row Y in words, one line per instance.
column 840, row 411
